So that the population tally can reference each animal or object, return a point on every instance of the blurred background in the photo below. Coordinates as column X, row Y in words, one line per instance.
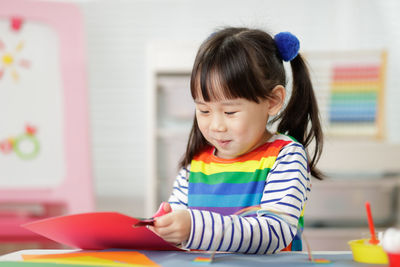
column 135, row 64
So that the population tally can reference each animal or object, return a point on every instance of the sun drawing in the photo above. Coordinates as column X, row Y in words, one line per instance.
column 10, row 60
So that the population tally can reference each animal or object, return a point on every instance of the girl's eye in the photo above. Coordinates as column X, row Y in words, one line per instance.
column 204, row 111
column 230, row 113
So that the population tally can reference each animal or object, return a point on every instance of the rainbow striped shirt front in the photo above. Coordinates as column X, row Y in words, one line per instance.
column 227, row 186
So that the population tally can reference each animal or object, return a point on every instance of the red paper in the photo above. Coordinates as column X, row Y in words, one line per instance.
column 99, row 230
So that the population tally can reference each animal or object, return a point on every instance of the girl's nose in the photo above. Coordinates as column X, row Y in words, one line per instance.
column 217, row 124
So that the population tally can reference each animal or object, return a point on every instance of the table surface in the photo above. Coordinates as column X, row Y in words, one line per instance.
column 177, row 259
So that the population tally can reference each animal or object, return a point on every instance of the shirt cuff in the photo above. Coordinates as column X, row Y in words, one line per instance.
column 186, row 244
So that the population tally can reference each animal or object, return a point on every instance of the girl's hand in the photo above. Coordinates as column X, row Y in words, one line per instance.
column 173, row 227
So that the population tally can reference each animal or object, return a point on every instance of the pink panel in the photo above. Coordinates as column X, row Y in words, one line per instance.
column 76, row 192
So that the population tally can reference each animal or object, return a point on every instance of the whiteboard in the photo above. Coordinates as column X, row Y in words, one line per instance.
column 30, row 96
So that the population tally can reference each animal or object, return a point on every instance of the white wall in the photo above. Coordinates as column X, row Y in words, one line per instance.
column 118, row 32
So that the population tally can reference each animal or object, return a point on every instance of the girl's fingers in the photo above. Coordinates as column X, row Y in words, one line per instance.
column 163, row 231
column 163, row 221
column 173, row 227
column 169, row 234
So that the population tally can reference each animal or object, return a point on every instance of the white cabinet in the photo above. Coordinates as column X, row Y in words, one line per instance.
column 175, row 111
column 171, row 110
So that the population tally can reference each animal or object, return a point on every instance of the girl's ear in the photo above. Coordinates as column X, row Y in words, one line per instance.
column 277, row 99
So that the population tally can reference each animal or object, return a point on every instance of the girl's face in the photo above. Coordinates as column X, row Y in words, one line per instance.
column 233, row 126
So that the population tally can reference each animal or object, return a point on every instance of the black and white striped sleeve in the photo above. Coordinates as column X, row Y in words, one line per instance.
column 179, row 196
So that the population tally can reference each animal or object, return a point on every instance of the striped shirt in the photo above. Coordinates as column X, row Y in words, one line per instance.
column 274, row 176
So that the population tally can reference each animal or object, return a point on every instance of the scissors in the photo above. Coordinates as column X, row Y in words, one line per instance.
column 150, row 221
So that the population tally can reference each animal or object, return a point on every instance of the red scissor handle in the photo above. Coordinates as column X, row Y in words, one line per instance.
column 161, row 211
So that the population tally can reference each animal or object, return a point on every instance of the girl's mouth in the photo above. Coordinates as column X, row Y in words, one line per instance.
column 223, row 143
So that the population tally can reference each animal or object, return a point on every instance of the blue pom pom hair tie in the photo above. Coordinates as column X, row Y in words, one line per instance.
column 288, row 45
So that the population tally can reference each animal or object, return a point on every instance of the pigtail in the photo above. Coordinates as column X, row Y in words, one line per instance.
column 302, row 109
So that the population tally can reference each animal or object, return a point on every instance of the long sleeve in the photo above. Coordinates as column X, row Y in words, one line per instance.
column 275, row 226
column 179, row 195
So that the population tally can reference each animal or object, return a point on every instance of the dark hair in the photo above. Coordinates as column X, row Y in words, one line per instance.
column 245, row 63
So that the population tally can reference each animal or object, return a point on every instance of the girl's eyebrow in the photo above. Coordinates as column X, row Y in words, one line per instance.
column 224, row 103
column 231, row 103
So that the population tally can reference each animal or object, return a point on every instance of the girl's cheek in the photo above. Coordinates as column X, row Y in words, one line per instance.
column 202, row 126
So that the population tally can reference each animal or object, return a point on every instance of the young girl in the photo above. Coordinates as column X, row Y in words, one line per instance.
column 232, row 160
